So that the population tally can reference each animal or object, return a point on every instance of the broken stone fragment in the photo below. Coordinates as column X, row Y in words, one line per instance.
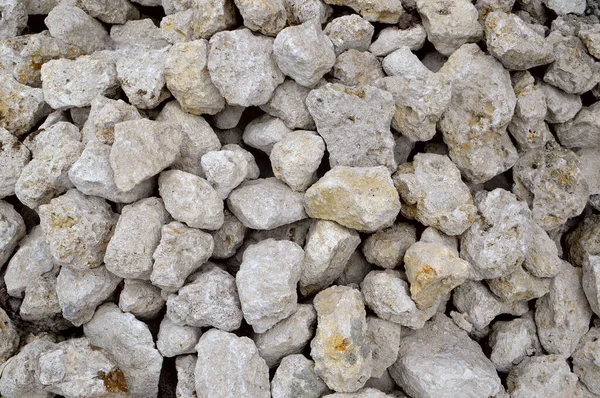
column 31, row 260
column 357, row 68
column 296, row 377
column 433, row 271
column 564, row 7
column 210, row 300
column 386, row 294
column 288, row 336
column 386, row 247
column 327, row 250
column 496, row 244
column 181, row 251
column 300, row 11
column 355, row 270
column 141, row 299
column 585, row 360
column 73, row 26
column 349, row 32
column 22, row 106
column 304, row 53
column 79, row 292
column 137, row 234
column 225, row 353
column 104, row 114
column 450, row 24
column 267, row 281
column 513, row 341
column 265, row 204
column 296, row 158
column 267, row 17
column 354, row 122
column 584, row 241
column 421, row 96
column 242, row 67
column 384, row 11
column 9, row 338
column 186, row 385
column 176, row 340
column 224, row 170
column 514, row 43
column 391, row 39
column 229, row 237
column 362, row 393
column 77, row 228
column 519, row 285
column 177, row 27
column 12, row 229
column 40, row 304
column 562, row 107
column 444, row 353
column 434, row 193
column 583, row 131
column 210, row 17
column 136, row 35
column 563, row 316
column 129, row 343
column 264, row 132
column 384, row 337
column 229, row 117
column 361, row 198
column 542, row 376
column 341, row 349
column 287, row 104
column 115, row 12
column 551, row 178
column 542, row 258
column 482, row 105
column 14, row 18
column 142, row 149
column 188, row 79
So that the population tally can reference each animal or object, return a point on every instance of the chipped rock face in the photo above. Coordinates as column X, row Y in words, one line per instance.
column 22, row 106
column 141, row 299
column 434, row 193
column 525, row 380
column 349, row 32
column 13, row 229
column 287, row 104
column 384, row 337
column 242, row 76
column 210, row 17
column 185, row 366
column 225, row 170
column 513, row 341
column 562, row 107
column 357, row 68
column 391, row 39
column 296, row 158
column 340, row 348
column 354, row 122
column 224, row 353
column 583, row 131
column 267, row 280
column 386, row 247
column 267, row 17
column 362, row 198
column 296, row 377
column 585, row 360
column 176, row 340
column 229, row 237
column 384, row 11
column 9, row 338
column 104, row 114
column 264, row 132
column 13, row 158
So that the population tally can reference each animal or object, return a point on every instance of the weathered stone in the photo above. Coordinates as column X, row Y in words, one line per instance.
column 384, row 11
column 104, row 114
column 355, row 270
column 116, row 12
column 583, row 131
column 9, row 338
column 177, row 27
column 267, row 17
column 13, row 158
column 357, row 68
column 384, row 337
column 386, row 247
column 229, row 237
column 562, row 107
column 224, row 353
column 137, row 234
column 296, row 158
column 512, row 341
column 349, row 32
column 81, row 30
column 186, row 385
column 12, row 229
column 340, row 348
column 287, row 104
column 21, row 106
column 584, row 241
column 354, row 122
column 300, row 11
column 176, row 340
column 133, row 36
column 40, row 304
column 296, row 378
column 391, row 39
column 264, row 132
column 224, row 170
column 519, row 285
column 433, row 235
column 14, row 18
column 287, row 337
column 564, row 7
column 210, row 17
column 242, row 67
column 327, row 250
column 141, row 299
column 210, row 300
column 585, row 360
column 129, row 343
column 142, row 149
column 542, row 376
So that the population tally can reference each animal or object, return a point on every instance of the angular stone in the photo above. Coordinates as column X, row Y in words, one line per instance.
column 116, row 12
column 287, row 104
column 431, row 234
column 104, row 114
column 562, row 107
column 210, row 300
column 542, row 258
column 242, row 67
column 584, row 241
column 384, row 11
column 225, row 353
column 355, row 270
column 564, row 7
column 229, row 117
column 141, row 299
column 210, row 17
column 40, row 305
column 391, row 39
column 296, row 377
column 264, row 132
column 583, row 131
column 519, row 285
column 9, row 337
column 300, row 11
column 12, row 229
column 267, row 17
column 142, row 149
column 13, row 158
column 357, row 68
column 186, row 385
column 340, row 348
column 177, row 27
column 349, row 32
column 21, row 106
column 386, row 247
column 136, row 35
column 14, row 18
column 354, row 122
column 585, row 360
column 229, row 237
column 513, row 341
column 81, row 30
column 384, row 337
column 176, row 340
column 224, row 170
column 542, row 376
column 137, row 234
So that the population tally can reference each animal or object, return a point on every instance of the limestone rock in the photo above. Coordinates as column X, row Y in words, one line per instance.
column 583, row 131
column 176, row 340
column 512, row 341
column 386, row 247
column 13, row 158
column 585, row 362
column 564, row 7
column 384, row 11
column 391, row 39
column 22, row 106
column 141, row 299
column 40, row 305
column 287, row 104
column 11, row 231
column 186, row 385
column 224, row 170
column 264, row 132
column 519, row 285
column 384, row 337
column 357, row 68
column 229, row 237
column 300, row 11
column 562, row 107
column 542, row 376
column 81, row 30
column 349, row 32
column 267, row 17
column 210, row 17
column 296, row 377
column 296, row 158
column 9, row 338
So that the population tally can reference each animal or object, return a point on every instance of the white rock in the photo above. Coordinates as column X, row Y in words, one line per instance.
column 562, row 107
column 287, row 104
column 116, row 12
column 296, row 158
column 186, row 385
column 177, row 27
column 267, row 17
column 542, row 376
column 23, row 106
column 349, row 32
column 224, row 170
column 141, row 299
column 564, row 7
column 104, row 114
column 40, row 304
column 176, row 340
column 81, row 30
column 264, row 132
column 391, row 39
column 12, row 229
column 300, row 11
column 14, row 156
column 229, row 237
column 512, row 341
column 14, row 18
column 137, row 35
column 384, row 11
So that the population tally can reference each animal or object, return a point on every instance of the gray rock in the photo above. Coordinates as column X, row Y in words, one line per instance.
column 562, row 107
column 443, row 353
column 300, row 11
column 431, row 234
column 384, row 11
column 136, row 35
column 391, row 39
column 341, row 349
column 357, row 68
column 9, row 338
column 229, row 237
column 141, row 299
column 11, row 231
column 176, row 340
column 384, row 337
column 542, row 376
column 584, row 240
column 355, row 270
column 583, row 131
column 264, row 132
column 72, row 25
column 104, row 114
column 212, row 17
column 519, row 285
column 186, row 385
column 287, row 104
column 385, row 248
column 349, row 32
column 296, row 378
column 267, row 17
column 14, row 18
column 564, row 7
column 224, row 170
column 585, row 360
column 23, row 106
column 224, row 353
column 513, row 341
column 40, row 304
column 116, row 12
column 177, row 27
column 354, row 122
column 13, row 158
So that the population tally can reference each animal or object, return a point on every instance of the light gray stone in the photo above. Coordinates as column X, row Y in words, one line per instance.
column 11, row 231
column 349, row 32
column 296, row 158
column 229, row 237
column 267, row 17
column 186, row 385
column 391, row 39
column 384, row 11
column 585, row 360
column 176, row 340
column 562, row 107
column 264, row 132
column 300, row 11
column 141, row 299
column 9, row 338
column 542, row 376
column 22, row 106
column 104, row 114
column 385, row 248
column 384, row 337
column 357, row 68
column 296, row 378
column 287, row 104
column 583, row 131
column 14, row 156
column 513, row 341
column 81, row 30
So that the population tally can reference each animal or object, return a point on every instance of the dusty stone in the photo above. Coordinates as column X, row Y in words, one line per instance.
column 362, row 393
column 224, row 170
column 384, row 337
column 444, row 353
column 433, row 235
column 9, row 338
column 176, row 340
column 583, row 131
column 542, row 376
column 434, row 193
column 137, row 234
column 384, row 11
column 186, row 385
column 77, row 228
column 141, row 299
column 355, row 270
column 264, row 132
column 104, row 114
column 177, row 27
column 354, row 122
column 519, row 285
column 12, row 230
column 116, row 12
column 229, row 237
column 14, row 18
column 357, row 68
column 591, row 281
column 562, row 107
column 482, row 105
column 300, row 11
column 563, row 7
column 514, row 43
column 188, row 79
column 266, row 204
column 133, row 36
column 296, row 377
column 287, row 104
column 327, row 250
column 81, row 30
column 513, row 341
column 267, row 17
column 349, row 32
column 340, row 348
column 590, row 37
column 433, row 271
column 421, row 96
column 304, row 53
column 242, row 67
column 449, row 25
column 21, row 106
column 129, row 343
column 296, row 158
column 287, row 337
column 361, row 198
column 142, row 149
column 584, row 241
column 585, row 360
column 229, row 117
column 181, row 251
column 386, row 247
column 40, row 304
column 210, row 300
column 210, row 17
column 552, row 179
column 141, row 73
column 391, row 39
column 79, row 292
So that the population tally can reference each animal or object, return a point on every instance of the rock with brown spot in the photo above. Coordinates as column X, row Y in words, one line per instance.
column 21, row 106
column 519, row 285
column 340, row 348
column 9, row 337
column 268, row 17
column 177, row 27
column 229, row 237
column 357, row 68
column 349, row 32
column 583, row 131
column 185, row 366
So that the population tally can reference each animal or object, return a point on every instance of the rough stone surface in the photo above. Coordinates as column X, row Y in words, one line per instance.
column 9, row 338
column 295, row 377
column 104, row 114
column 585, row 363
column 176, row 340
column 11, row 231
column 384, row 11
column 513, row 341
column 357, row 68
column 264, row 132
column 82, row 30
column 22, row 106
column 229, row 237
column 562, row 107
column 267, row 17
column 583, row 131
column 287, row 104
column 542, row 376
column 224, row 170
column 349, row 32
column 13, row 158
column 186, row 385
column 391, row 39
column 141, row 299
column 384, row 337
column 386, row 247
